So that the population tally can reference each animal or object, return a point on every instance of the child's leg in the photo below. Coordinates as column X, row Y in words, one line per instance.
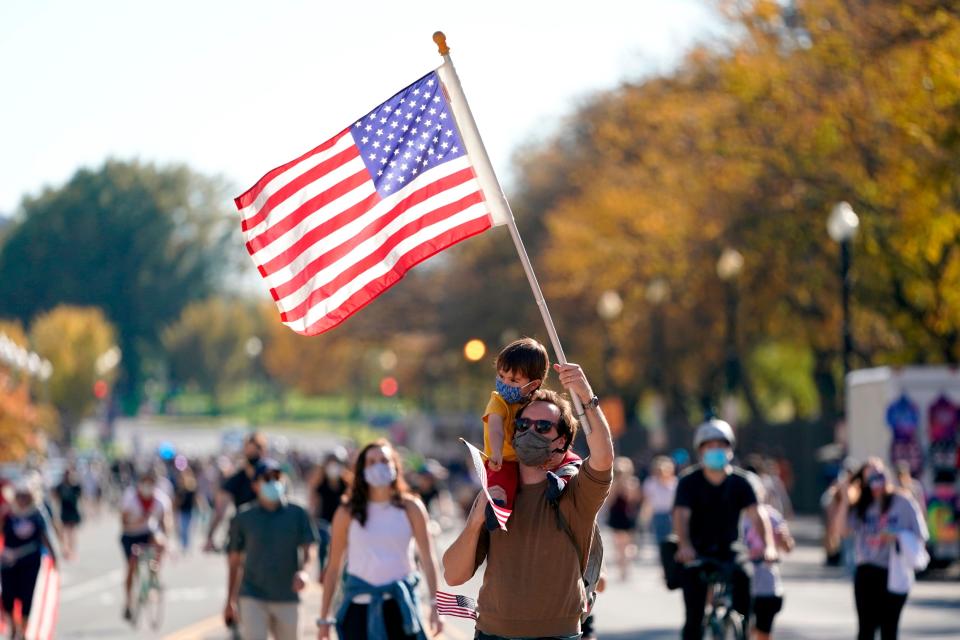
column 506, row 479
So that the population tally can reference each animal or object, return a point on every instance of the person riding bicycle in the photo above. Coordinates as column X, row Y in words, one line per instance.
column 706, row 516
column 145, row 513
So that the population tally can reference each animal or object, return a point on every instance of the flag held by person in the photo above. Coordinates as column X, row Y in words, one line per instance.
column 450, row 604
column 334, row 228
column 502, row 514
column 46, row 602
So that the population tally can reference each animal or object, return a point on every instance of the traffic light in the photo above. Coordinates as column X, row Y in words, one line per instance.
column 389, row 386
column 100, row 389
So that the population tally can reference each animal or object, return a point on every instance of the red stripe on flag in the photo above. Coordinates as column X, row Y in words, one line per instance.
column 363, row 297
column 309, row 207
column 502, row 515
column 286, row 191
column 335, row 253
column 316, row 234
column 411, row 228
column 248, row 196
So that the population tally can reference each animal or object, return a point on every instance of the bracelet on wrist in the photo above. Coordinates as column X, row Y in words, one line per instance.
column 324, row 622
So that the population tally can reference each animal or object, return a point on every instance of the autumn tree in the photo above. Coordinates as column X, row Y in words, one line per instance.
column 748, row 145
column 74, row 340
column 207, row 347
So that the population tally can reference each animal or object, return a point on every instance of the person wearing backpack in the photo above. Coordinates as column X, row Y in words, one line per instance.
column 539, row 574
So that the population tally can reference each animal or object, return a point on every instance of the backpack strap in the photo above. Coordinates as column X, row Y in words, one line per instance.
column 563, row 524
column 569, row 471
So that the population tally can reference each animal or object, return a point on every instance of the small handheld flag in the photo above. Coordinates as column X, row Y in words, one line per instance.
column 502, row 514
column 449, row 604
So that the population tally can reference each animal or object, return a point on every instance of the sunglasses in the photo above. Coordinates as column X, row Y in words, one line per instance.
column 876, row 479
column 540, row 426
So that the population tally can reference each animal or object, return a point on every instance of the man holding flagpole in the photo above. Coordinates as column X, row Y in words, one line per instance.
column 532, row 587
column 331, row 230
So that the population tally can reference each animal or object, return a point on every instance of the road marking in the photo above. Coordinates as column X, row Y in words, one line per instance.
column 96, row 585
column 197, row 630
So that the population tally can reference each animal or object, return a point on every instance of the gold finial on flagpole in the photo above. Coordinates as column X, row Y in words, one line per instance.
column 441, row 41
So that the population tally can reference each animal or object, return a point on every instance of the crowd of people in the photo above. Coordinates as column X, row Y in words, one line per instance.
column 361, row 521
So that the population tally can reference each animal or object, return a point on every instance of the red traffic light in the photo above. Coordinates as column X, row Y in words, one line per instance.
column 389, row 386
column 100, row 389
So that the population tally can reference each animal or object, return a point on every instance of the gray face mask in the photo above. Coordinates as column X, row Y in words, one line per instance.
column 533, row 449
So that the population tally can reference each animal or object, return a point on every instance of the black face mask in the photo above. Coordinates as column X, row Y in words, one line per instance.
column 253, row 460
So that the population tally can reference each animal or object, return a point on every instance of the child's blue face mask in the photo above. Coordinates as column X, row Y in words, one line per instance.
column 717, row 459
column 512, row 395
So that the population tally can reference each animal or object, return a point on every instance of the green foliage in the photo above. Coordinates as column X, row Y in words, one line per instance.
column 207, row 346
column 783, row 376
column 138, row 241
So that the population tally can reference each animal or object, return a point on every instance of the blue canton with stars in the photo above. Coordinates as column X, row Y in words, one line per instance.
column 408, row 134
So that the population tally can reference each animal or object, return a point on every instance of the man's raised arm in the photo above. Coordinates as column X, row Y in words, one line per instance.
column 598, row 440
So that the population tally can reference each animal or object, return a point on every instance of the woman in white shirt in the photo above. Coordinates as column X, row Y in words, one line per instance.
column 376, row 531
column 658, row 493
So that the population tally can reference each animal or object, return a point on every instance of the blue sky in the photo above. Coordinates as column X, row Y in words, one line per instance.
column 236, row 88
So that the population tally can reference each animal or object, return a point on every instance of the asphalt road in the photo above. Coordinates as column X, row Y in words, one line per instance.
column 819, row 601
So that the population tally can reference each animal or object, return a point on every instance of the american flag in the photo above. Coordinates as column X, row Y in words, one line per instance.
column 449, row 604
column 334, row 228
column 502, row 514
column 46, row 602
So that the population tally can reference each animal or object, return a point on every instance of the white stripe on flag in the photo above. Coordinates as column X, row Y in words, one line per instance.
column 502, row 514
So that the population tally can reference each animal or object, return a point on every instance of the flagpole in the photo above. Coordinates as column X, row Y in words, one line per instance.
column 493, row 194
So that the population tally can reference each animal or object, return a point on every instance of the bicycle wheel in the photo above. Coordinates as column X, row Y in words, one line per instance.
column 713, row 626
column 153, row 607
column 137, row 598
column 731, row 627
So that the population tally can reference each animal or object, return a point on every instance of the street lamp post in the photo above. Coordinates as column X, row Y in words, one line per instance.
column 252, row 347
column 729, row 267
column 609, row 307
column 656, row 294
column 842, row 225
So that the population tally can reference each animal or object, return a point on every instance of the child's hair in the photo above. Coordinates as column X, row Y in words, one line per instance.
column 525, row 356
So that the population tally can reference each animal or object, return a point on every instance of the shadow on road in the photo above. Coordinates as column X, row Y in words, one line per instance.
column 935, row 603
column 648, row 634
